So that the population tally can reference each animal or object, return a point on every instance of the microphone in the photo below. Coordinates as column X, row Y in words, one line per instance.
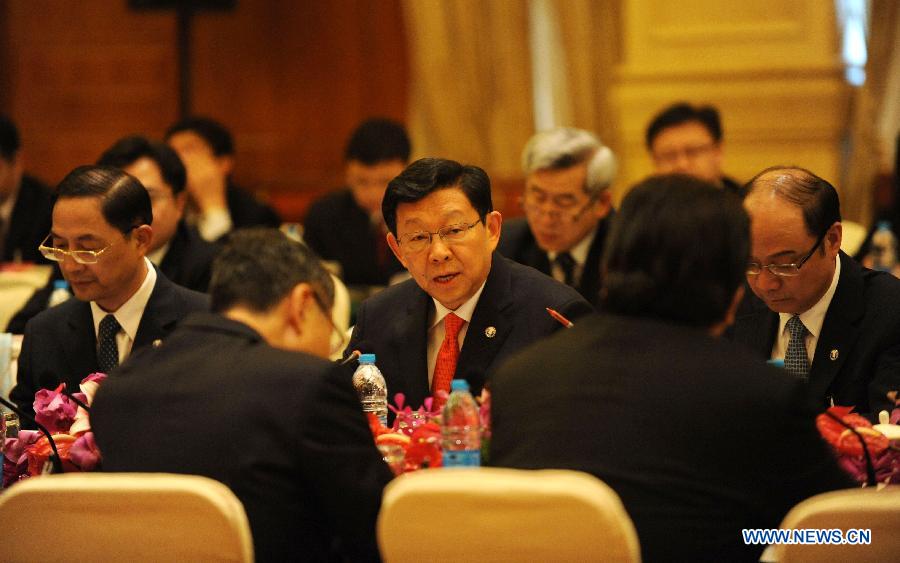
column 870, row 468
column 54, row 457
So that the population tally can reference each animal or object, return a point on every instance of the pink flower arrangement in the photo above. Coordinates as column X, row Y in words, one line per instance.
column 68, row 422
column 884, row 454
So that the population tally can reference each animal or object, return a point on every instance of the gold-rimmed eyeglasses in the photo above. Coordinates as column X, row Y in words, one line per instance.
column 79, row 256
column 420, row 240
column 560, row 206
column 784, row 270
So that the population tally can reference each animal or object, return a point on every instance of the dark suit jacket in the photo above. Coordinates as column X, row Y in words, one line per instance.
column 697, row 437
column 862, row 324
column 247, row 211
column 518, row 243
column 283, row 430
column 60, row 345
column 30, row 221
column 336, row 228
column 188, row 262
column 394, row 326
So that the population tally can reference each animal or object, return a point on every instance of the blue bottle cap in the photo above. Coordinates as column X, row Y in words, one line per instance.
column 459, row 385
column 776, row 362
column 367, row 358
column 885, row 226
column 60, row 284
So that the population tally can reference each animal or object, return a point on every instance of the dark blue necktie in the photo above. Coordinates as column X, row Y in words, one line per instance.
column 107, row 349
column 567, row 264
column 795, row 359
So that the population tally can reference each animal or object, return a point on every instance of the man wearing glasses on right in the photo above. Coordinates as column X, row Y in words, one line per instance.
column 835, row 323
column 567, row 207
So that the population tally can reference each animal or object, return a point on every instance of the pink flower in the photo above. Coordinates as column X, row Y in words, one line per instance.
column 54, row 410
column 15, row 458
column 84, row 453
column 89, row 386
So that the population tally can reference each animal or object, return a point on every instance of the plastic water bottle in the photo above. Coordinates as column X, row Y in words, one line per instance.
column 461, row 428
column 371, row 388
column 60, row 293
column 884, row 247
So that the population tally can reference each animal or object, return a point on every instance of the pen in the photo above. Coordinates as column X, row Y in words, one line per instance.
column 562, row 320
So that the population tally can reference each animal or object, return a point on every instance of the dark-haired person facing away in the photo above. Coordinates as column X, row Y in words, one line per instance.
column 242, row 395
column 100, row 236
column 698, row 438
column 217, row 205
column 687, row 139
column 346, row 226
column 568, row 208
column 177, row 248
column 835, row 323
column 24, row 202
column 467, row 308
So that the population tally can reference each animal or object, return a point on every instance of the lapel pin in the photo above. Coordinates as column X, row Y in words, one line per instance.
column 157, row 343
column 490, row 332
column 834, row 355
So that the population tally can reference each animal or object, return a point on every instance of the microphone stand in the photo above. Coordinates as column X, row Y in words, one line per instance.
column 55, row 460
column 870, row 467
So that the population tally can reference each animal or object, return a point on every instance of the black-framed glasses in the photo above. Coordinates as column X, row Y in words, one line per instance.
column 784, row 270
column 690, row 153
column 79, row 256
column 420, row 240
column 340, row 343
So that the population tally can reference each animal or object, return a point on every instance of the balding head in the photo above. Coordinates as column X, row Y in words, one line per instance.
column 797, row 186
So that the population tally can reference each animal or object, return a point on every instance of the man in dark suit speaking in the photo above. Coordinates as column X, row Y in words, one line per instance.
column 466, row 308
column 699, row 439
column 240, row 397
column 835, row 323
column 100, row 236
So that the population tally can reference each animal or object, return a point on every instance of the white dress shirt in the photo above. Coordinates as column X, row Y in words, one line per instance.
column 436, row 331
column 579, row 253
column 812, row 319
column 129, row 314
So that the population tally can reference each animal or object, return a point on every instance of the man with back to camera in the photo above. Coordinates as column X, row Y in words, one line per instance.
column 206, row 148
column 687, row 139
column 568, row 208
column 244, row 396
column 835, row 323
column 467, row 308
column 346, row 226
column 100, row 236
column 699, row 439
column 24, row 202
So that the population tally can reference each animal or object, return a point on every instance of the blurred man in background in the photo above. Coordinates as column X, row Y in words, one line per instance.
column 568, row 208
column 687, row 139
column 206, row 148
column 24, row 202
column 346, row 226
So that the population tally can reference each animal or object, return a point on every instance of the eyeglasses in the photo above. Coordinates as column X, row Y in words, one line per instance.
column 451, row 234
column 340, row 343
column 561, row 206
column 79, row 256
column 784, row 270
column 690, row 153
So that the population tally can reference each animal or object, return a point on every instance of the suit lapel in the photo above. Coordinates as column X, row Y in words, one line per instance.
column 840, row 328
column 79, row 345
column 756, row 326
column 161, row 313
column 410, row 336
column 589, row 284
column 489, row 327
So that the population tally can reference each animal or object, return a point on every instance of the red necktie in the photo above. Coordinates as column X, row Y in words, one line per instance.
column 445, row 366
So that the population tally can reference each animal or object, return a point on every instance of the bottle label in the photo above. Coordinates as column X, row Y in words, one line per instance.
column 462, row 458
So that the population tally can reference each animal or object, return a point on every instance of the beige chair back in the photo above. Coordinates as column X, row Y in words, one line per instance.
column 131, row 517
column 857, row 509
column 493, row 514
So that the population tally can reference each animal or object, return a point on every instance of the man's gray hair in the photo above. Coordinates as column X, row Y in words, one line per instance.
column 565, row 147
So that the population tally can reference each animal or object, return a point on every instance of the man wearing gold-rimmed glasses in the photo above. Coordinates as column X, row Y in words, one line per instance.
column 100, row 237
column 568, row 208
